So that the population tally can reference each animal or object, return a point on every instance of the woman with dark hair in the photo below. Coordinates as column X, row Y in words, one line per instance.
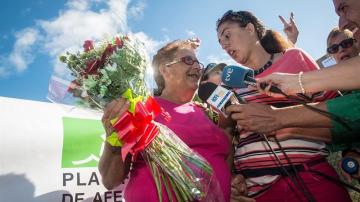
column 275, row 170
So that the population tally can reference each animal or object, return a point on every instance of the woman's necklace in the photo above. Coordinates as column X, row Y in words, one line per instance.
column 267, row 65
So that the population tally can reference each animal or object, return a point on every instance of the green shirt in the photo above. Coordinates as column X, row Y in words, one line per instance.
column 347, row 107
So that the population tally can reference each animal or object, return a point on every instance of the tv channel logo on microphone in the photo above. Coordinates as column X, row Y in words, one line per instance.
column 219, row 97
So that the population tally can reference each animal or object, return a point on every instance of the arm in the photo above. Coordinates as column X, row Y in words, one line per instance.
column 263, row 118
column 111, row 166
column 316, row 134
column 342, row 76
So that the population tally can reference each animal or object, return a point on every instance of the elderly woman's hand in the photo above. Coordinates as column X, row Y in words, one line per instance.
column 255, row 117
column 239, row 189
column 113, row 110
column 287, row 83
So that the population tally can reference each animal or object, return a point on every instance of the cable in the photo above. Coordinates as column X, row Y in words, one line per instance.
column 293, row 168
column 330, row 115
column 306, row 192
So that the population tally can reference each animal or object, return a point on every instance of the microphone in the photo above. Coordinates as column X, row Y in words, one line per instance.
column 241, row 77
column 217, row 96
column 350, row 165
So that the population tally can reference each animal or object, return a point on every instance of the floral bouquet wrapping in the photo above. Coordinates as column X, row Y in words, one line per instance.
column 116, row 68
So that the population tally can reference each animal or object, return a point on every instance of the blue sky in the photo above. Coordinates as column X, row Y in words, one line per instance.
column 34, row 33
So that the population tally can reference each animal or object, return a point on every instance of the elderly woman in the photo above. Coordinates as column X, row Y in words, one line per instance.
column 283, row 174
column 177, row 74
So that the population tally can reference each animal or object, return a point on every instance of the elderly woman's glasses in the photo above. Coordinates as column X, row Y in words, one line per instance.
column 187, row 60
column 346, row 43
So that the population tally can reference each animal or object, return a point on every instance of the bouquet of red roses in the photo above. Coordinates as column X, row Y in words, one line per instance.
column 116, row 68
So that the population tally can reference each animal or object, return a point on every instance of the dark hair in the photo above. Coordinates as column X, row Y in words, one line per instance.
column 272, row 41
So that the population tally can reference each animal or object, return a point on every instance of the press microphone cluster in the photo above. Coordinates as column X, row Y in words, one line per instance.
column 218, row 97
column 241, row 77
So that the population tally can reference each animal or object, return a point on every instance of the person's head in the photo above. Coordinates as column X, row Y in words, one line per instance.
column 341, row 45
column 213, row 73
column 176, row 67
column 349, row 15
column 240, row 32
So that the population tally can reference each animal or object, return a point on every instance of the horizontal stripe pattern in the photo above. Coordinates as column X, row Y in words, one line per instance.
column 252, row 152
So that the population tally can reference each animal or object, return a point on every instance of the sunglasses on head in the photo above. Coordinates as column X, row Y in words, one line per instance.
column 346, row 43
column 187, row 60
column 231, row 15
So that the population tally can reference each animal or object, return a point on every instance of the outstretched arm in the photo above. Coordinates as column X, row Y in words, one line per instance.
column 342, row 76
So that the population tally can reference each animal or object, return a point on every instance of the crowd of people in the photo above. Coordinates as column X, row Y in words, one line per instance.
column 272, row 148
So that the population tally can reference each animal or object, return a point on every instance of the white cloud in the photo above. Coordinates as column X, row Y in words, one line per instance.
column 68, row 31
column 21, row 54
column 79, row 21
column 78, row 4
column 151, row 45
column 190, row 33
column 137, row 11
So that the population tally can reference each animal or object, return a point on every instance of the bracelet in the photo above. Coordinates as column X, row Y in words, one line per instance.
column 300, row 82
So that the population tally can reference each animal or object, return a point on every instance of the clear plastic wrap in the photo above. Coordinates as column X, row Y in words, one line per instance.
column 116, row 68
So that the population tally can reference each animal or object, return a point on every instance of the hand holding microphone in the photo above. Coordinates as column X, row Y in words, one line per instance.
column 217, row 96
column 242, row 77
column 287, row 83
column 253, row 116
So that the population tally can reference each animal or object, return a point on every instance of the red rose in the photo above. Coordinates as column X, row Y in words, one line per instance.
column 119, row 42
column 88, row 45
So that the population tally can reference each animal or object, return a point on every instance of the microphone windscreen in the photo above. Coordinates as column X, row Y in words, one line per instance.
column 234, row 76
column 205, row 90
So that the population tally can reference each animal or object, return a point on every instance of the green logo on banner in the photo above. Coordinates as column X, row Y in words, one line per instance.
column 83, row 141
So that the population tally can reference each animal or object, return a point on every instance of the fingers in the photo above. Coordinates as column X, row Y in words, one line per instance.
column 237, row 179
column 235, row 108
column 239, row 189
column 267, row 89
column 120, row 107
column 272, row 78
column 113, row 110
column 259, row 88
column 292, row 18
column 283, row 21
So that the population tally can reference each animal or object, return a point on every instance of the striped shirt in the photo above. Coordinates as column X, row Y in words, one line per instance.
column 252, row 152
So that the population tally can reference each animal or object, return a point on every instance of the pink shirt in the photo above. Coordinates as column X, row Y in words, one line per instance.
column 252, row 152
column 192, row 126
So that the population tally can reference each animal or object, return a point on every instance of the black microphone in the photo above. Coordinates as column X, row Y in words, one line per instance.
column 240, row 77
column 217, row 96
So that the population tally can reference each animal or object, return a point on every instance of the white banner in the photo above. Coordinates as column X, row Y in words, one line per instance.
column 50, row 154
